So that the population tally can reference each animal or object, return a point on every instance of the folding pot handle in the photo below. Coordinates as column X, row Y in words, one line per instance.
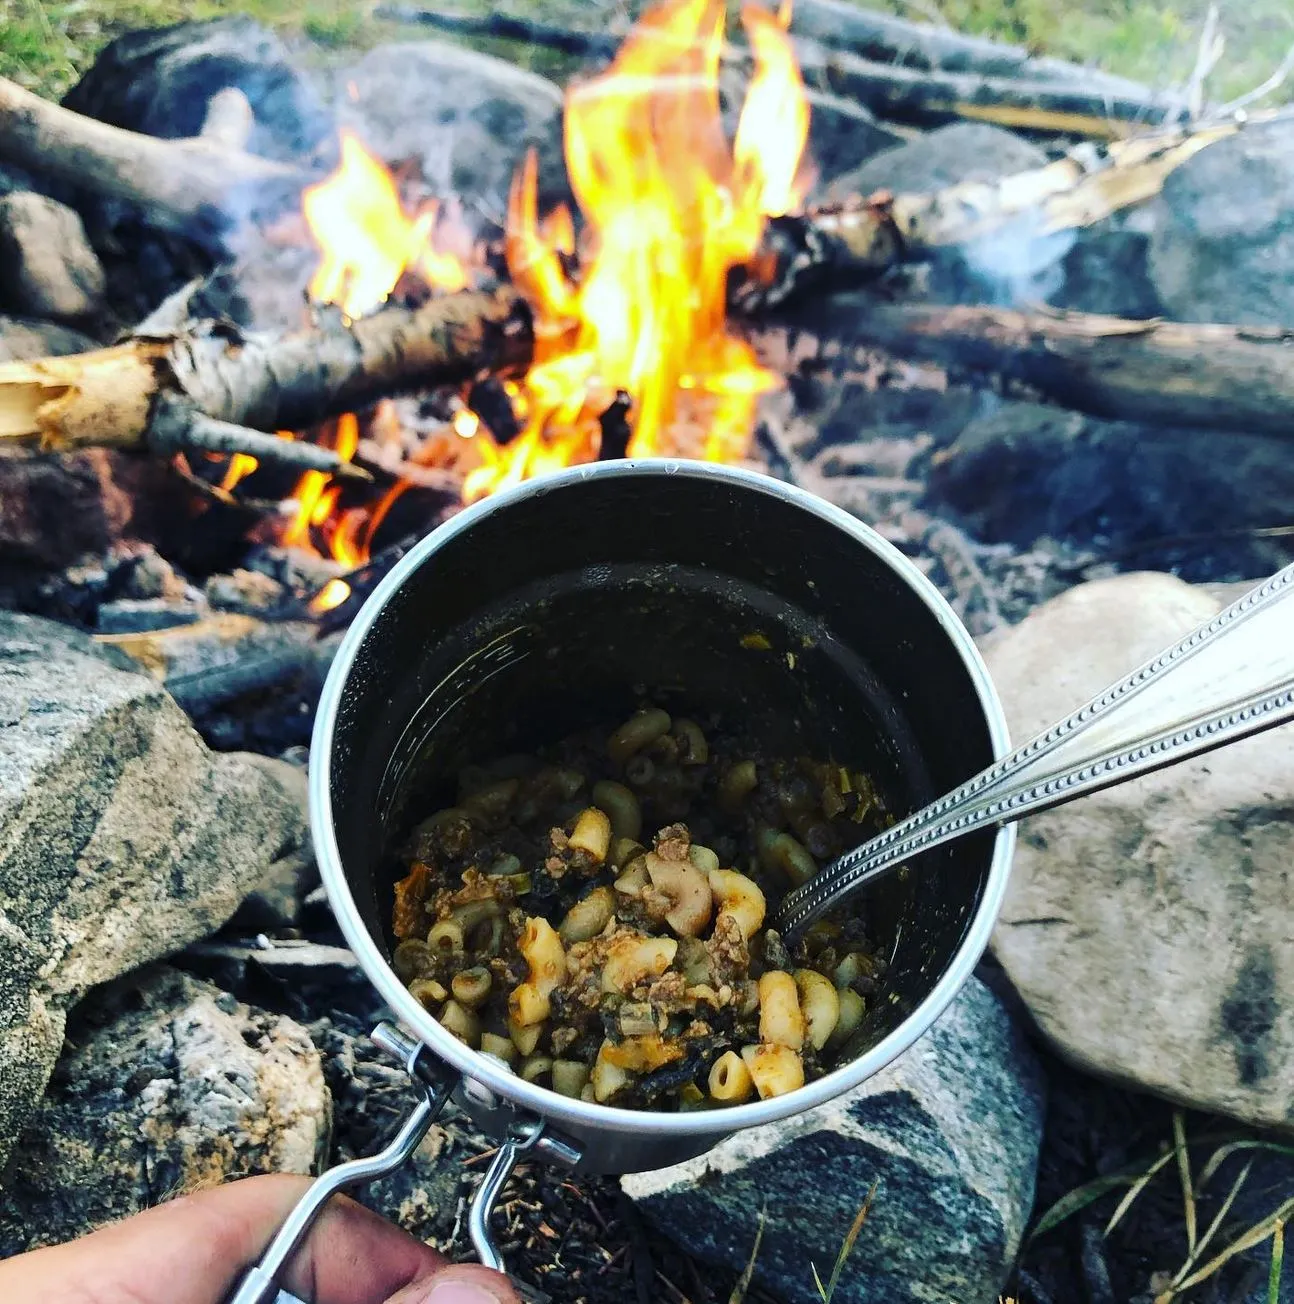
column 259, row 1286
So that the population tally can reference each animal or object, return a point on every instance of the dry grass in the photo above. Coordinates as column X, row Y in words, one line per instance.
column 1195, row 1268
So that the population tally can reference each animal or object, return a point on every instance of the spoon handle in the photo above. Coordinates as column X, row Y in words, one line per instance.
column 1231, row 677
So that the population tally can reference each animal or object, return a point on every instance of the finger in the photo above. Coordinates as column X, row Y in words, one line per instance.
column 195, row 1249
column 463, row 1283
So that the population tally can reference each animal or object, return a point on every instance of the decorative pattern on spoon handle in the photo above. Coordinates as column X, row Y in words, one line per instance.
column 1013, row 787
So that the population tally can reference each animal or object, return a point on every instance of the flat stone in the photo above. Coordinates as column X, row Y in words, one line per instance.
column 1148, row 927
column 949, row 1137
column 122, row 838
column 166, row 1085
column 142, row 615
column 1223, row 242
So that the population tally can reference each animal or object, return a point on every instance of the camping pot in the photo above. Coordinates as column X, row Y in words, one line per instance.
column 552, row 606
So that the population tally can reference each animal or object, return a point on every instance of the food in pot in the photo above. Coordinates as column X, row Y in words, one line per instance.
column 593, row 916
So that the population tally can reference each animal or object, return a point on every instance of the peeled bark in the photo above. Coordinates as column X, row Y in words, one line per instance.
column 203, row 385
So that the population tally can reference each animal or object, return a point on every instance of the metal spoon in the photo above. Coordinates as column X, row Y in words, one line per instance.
column 1231, row 677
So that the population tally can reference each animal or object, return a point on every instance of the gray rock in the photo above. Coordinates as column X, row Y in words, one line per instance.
column 1223, row 243
column 160, row 81
column 466, row 118
column 1024, row 471
column 949, row 1134
column 47, row 268
column 1020, row 261
column 1148, row 927
column 966, row 151
column 22, row 339
column 122, row 838
column 842, row 136
column 1108, row 269
column 165, row 1085
column 276, row 900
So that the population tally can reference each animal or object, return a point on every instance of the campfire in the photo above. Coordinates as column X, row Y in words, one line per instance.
column 633, row 352
column 264, row 329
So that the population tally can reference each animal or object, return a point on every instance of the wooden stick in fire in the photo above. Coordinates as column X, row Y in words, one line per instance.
column 209, row 388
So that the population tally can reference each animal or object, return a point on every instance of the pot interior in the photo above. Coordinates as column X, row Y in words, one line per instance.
column 560, row 607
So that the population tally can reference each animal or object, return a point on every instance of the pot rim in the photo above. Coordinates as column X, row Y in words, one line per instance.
column 493, row 1073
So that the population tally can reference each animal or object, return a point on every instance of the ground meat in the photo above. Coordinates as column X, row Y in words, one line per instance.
column 493, row 879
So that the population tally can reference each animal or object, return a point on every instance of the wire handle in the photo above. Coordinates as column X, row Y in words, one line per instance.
column 259, row 1285
column 1228, row 679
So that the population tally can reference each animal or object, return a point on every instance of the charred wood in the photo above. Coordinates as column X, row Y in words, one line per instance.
column 1233, row 378
column 202, row 690
column 361, row 582
column 857, row 241
column 616, row 430
column 211, row 387
column 196, row 187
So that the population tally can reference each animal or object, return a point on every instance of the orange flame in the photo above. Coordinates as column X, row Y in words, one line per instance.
column 670, row 209
column 366, row 239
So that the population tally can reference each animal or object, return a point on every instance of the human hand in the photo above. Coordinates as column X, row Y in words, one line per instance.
column 195, row 1249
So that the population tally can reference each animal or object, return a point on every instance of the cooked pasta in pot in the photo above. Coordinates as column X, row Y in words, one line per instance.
column 539, row 923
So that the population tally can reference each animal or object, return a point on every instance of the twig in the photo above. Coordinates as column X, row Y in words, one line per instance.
column 183, row 428
column 1273, row 83
column 1206, row 59
column 743, row 1282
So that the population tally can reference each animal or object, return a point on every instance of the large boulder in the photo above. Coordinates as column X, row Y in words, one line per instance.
column 122, row 838
column 466, row 119
column 1223, row 242
column 166, row 1085
column 1148, row 927
column 949, row 1137
column 161, row 80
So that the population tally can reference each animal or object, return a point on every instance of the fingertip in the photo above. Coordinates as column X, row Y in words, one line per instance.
column 461, row 1283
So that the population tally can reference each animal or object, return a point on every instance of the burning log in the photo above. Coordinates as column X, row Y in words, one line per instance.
column 208, row 387
column 857, row 241
column 1236, row 378
column 194, row 186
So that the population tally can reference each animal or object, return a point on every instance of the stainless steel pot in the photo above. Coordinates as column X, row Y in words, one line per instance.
column 712, row 586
